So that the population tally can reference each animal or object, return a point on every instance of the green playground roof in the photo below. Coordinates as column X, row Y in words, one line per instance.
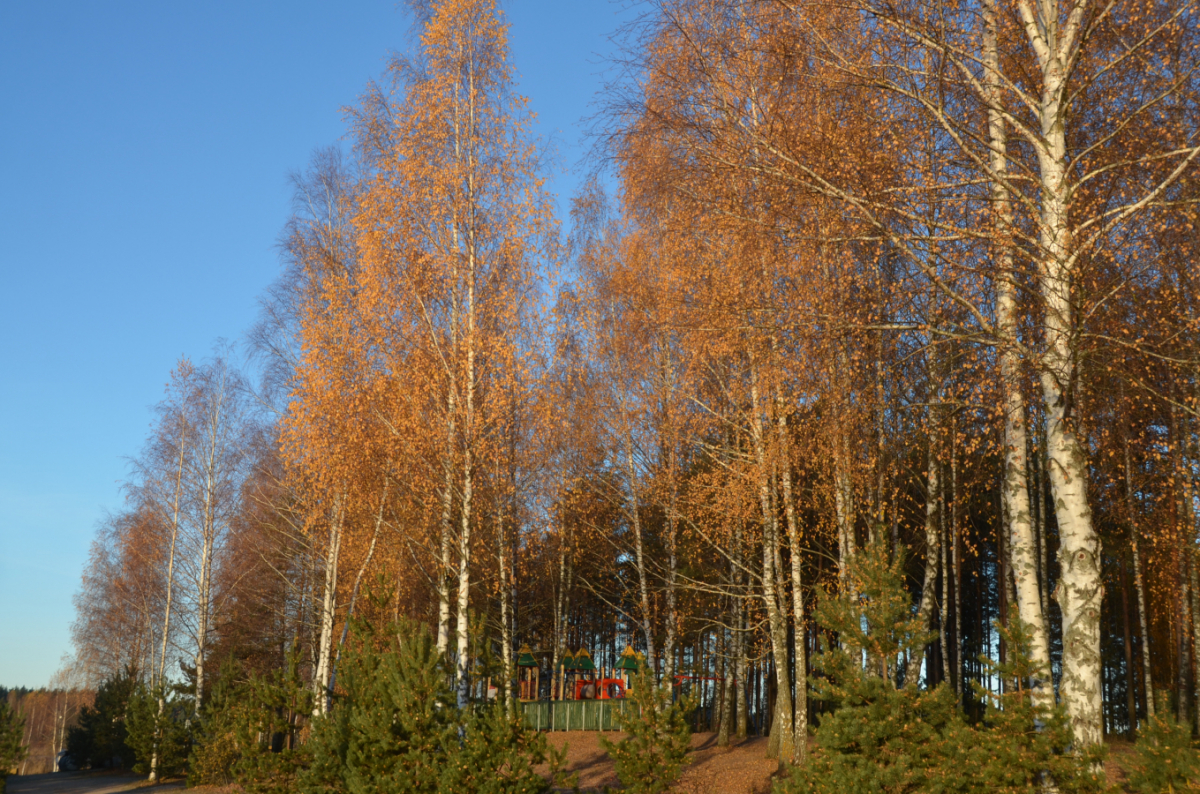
column 525, row 657
column 583, row 660
column 629, row 660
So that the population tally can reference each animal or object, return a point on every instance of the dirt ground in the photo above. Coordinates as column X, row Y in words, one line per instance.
column 737, row 769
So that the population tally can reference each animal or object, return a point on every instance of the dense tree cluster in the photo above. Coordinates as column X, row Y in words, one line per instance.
column 915, row 276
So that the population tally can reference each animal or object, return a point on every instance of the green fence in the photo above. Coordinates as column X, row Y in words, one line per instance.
column 573, row 715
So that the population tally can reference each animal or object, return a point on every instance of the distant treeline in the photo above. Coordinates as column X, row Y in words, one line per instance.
column 49, row 713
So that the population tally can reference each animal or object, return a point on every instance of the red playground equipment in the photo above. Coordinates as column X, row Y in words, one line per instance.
column 604, row 689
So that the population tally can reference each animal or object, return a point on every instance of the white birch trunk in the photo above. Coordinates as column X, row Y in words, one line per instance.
column 362, row 570
column 639, row 555
column 799, row 638
column 912, row 667
column 162, row 657
column 328, row 610
column 1080, row 589
column 782, row 743
column 1015, row 484
column 506, row 639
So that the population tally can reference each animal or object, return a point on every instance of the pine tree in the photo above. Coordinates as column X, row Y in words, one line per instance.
column 272, row 717
column 1166, row 759
column 1020, row 746
column 216, row 750
column 99, row 740
column 893, row 739
column 165, row 733
column 395, row 727
column 12, row 752
column 651, row 756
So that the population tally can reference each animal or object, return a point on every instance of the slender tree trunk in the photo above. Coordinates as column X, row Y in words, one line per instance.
column 782, row 740
column 506, row 644
column 672, row 566
column 162, row 658
column 1021, row 542
column 1130, row 675
column 328, row 609
column 943, row 608
column 1139, row 589
column 462, row 624
column 799, row 650
column 728, row 671
column 329, row 690
column 739, row 639
column 1187, row 520
column 444, row 564
column 1080, row 589
column 912, row 669
column 635, row 520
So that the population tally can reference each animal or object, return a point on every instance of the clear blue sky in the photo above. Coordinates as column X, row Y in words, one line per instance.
column 144, row 154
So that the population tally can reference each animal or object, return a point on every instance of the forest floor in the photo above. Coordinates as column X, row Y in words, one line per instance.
column 741, row 768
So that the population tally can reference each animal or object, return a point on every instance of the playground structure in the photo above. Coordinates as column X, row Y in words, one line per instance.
column 529, row 674
column 577, row 677
column 628, row 665
column 581, row 696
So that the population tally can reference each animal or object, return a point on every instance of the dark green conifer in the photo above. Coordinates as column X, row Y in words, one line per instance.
column 395, row 728
column 99, row 739
column 652, row 754
column 1166, row 760
column 891, row 737
column 164, row 733
column 12, row 728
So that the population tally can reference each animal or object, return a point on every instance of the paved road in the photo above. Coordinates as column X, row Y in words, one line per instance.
column 80, row 783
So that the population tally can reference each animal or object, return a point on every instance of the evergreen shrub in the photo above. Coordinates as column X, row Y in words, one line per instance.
column 394, row 728
column 1165, row 758
column 164, row 733
column 652, row 754
column 99, row 740
column 889, row 736
column 252, row 730
column 12, row 752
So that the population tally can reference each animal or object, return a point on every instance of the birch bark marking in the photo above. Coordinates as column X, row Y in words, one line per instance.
column 1022, row 544
column 1080, row 589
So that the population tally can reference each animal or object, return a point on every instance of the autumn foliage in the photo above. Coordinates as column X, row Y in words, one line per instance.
column 907, row 282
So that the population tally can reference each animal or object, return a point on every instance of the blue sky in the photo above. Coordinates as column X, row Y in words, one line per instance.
column 144, row 154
